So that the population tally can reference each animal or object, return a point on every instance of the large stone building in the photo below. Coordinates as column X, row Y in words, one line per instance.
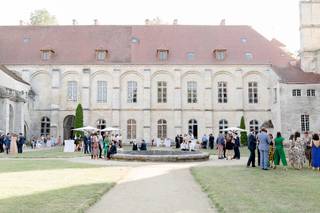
column 157, row 81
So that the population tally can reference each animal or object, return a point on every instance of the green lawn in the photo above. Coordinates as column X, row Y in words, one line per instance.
column 238, row 189
column 34, row 186
column 56, row 152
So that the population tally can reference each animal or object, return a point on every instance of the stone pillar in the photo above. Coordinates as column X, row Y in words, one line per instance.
column 177, row 102
column 147, row 105
column 3, row 114
column 18, row 117
column 6, row 116
column 85, row 95
column 116, row 98
column 55, row 106
column 208, row 106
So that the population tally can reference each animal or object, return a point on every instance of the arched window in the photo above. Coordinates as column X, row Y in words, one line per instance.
column 254, row 124
column 162, row 128
column 45, row 126
column 223, row 124
column 101, row 124
column 131, row 129
column 193, row 127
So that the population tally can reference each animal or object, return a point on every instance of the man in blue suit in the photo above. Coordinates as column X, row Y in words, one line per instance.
column 264, row 142
column 252, row 145
column 20, row 143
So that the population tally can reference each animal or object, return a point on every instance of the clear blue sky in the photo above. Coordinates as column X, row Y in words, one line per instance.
column 272, row 18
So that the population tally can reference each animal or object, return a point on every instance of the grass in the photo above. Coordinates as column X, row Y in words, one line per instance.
column 56, row 152
column 238, row 189
column 28, row 185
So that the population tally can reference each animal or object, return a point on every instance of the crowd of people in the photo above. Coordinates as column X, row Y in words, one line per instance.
column 271, row 150
column 12, row 143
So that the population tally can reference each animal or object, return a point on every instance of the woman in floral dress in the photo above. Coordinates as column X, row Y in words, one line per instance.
column 296, row 152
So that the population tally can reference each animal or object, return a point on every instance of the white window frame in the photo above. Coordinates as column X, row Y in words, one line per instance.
column 220, row 55
column 101, row 55
column 102, row 91
column 72, row 93
column 248, row 56
column 45, row 55
column 163, row 55
column 132, row 92
column 101, row 124
column 162, row 91
column 162, row 128
column 192, row 92
column 296, row 92
column 131, row 129
column 253, row 97
column 311, row 92
column 254, row 124
column 305, row 123
column 45, row 126
column 223, row 124
column 222, row 92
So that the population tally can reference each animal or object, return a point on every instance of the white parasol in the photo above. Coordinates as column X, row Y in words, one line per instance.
column 234, row 129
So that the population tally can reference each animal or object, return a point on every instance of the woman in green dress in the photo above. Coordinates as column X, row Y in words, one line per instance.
column 279, row 151
column 105, row 146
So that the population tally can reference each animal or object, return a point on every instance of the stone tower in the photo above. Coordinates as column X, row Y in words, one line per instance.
column 310, row 35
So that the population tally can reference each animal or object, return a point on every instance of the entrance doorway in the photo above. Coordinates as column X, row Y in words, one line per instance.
column 193, row 128
column 68, row 125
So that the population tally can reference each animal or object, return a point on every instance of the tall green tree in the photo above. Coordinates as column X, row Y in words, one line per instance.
column 78, row 121
column 42, row 17
column 243, row 135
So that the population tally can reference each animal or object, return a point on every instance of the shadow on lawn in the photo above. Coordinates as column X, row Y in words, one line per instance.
column 71, row 199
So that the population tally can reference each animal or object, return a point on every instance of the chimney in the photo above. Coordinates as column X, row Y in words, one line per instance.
column 74, row 22
column 175, row 21
column 96, row 22
column 20, row 22
column 223, row 22
column 147, row 22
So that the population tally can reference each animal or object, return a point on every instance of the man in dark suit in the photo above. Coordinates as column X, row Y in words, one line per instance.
column 177, row 140
column 86, row 144
column 211, row 141
column 20, row 143
column 252, row 145
column 143, row 146
column 1, row 142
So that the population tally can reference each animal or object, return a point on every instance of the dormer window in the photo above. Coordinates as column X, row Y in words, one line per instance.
column 162, row 54
column 46, row 54
column 101, row 54
column 220, row 54
column 248, row 56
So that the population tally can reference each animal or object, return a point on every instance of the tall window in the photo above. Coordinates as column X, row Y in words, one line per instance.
column 223, row 124
column 163, row 55
column 101, row 91
column 132, row 92
column 254, row 124
column 253, row 92
column 131, row 129
column 192, row 91
column 311, row 92
column 193, row 127
column 162, row 128
column 45, row 126
column 305, row 125
column 162, row 92
column 296, row 92
column 101, row 124
column 275, row 95
column 222, row 92
column 72, row 91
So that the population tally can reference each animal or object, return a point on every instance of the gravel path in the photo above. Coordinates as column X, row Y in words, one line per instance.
column 156, row 188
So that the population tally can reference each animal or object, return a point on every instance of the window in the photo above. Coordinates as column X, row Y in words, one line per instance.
column 101, row 55
column 296, row 92
column 72, row 91
column 190, row 56
column 101, row 124
column 192, row 91
column 163, row 55
column 244, row 40
column 193, row 128
column 311, row 92
column 222, row 92
column 45, row 55
column 254, row 124
column 101, row 91
column 131, row 129
column 253, row 92
column 132, row 92
column 305, row 125
column 223, row 124
column 162, row 92
column 248, row 56
column 220, row 54
column 45, row 126
column 162, row 128
column 275, row 95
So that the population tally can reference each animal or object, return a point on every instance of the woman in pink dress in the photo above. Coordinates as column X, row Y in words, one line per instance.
column 13, row 146
column 95, row 146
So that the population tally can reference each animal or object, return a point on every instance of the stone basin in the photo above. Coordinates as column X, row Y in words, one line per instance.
column 161, row 156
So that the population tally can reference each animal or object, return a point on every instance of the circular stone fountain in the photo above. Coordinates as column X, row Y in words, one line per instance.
column 161, row 156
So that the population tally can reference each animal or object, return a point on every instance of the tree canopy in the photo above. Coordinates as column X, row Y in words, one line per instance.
column 42, row 17
column 243, row 135
column 78, row 122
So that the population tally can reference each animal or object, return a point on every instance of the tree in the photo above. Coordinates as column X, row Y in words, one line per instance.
column 78, row 121
column 42, row 17
column 243, row 135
